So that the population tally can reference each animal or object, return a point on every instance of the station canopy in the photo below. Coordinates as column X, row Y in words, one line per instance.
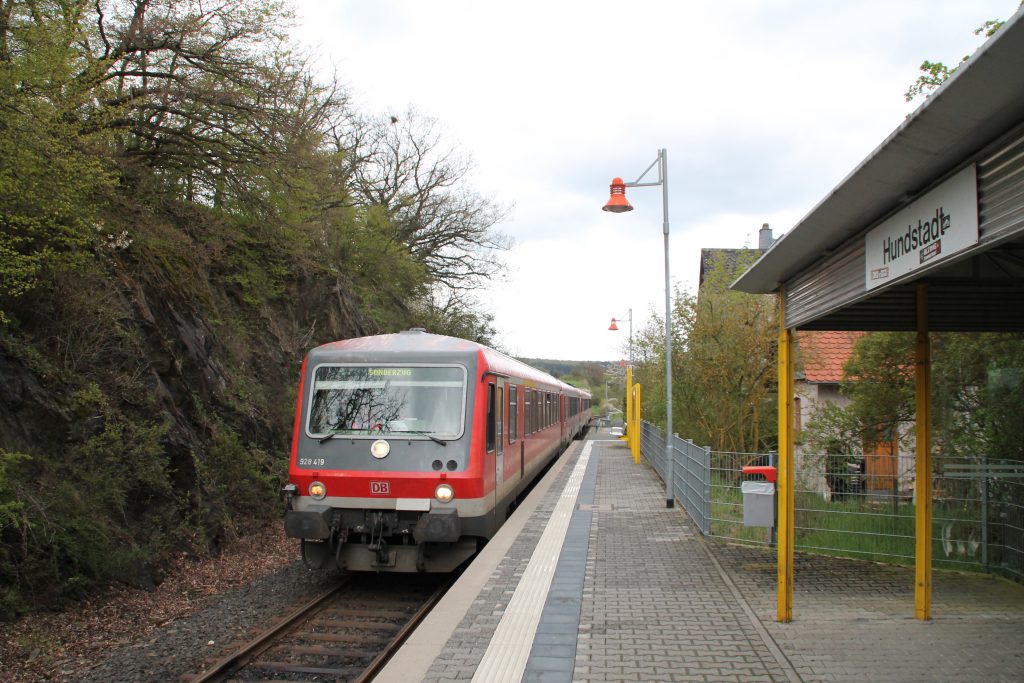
column 837, row 267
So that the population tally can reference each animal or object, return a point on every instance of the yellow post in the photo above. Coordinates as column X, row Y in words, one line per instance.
column 923, row 464
column 785, row 474
column 629, row 405
column 636, row 421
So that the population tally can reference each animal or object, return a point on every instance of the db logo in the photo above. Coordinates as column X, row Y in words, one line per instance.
column 380, row 488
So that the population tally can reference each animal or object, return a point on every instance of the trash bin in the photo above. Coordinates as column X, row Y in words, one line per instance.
column 758, row 503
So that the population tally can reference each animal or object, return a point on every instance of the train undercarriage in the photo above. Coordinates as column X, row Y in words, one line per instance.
column 376, row 540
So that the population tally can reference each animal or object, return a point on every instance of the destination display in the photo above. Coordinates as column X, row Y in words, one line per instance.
column 940, row 224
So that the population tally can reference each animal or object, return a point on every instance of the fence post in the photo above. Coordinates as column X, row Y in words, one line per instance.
column 707, row 490
column 675, row 480
column 984, row 515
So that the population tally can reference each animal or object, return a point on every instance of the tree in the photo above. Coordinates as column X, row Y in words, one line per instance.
column 456, row 314
column 184, row 210
column 723, row 356
column 401, row 165
column 203, row 93
column 979, row 388
column 54, row 177
column 934, row 74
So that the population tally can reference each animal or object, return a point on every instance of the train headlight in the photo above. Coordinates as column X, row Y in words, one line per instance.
column 317, row 491
column 380, row 449
column 444, row 493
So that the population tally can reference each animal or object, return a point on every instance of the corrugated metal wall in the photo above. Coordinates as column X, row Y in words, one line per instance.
column 1001, row 192
column 838, row 280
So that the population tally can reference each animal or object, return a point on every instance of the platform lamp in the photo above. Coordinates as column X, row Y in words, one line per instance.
column 617, row 203
column 630, row 432
column 615, row 328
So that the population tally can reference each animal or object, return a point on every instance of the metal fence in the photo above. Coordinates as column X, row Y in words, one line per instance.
column 690, row 466
column 860, row 505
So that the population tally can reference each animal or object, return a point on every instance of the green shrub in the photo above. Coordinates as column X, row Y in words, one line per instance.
column 95, row 514
column 237, row 486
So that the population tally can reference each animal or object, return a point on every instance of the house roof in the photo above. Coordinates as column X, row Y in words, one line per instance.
column 823, row 354
column 733, row 260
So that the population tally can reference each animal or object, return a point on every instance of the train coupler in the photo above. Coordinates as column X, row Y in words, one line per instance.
column 377, row 544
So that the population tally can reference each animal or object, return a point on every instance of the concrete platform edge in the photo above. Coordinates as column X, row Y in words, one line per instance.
column 415, row 658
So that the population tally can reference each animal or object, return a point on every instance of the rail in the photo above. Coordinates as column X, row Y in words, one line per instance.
column 368, row 626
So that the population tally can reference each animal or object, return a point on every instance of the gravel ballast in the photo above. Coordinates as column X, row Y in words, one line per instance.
column 193, row 618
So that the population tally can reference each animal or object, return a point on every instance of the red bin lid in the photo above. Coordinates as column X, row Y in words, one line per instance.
column 768, row 471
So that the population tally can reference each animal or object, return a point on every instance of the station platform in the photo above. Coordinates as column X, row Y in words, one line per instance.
column 594, row 579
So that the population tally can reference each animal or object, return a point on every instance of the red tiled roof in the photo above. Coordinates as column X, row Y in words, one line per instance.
column 823, row 354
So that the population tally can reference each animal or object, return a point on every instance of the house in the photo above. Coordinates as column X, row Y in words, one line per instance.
column 734, row 261
column 885, row 467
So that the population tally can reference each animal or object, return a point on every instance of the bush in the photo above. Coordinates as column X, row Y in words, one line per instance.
column 93, row 515
column 237, row 486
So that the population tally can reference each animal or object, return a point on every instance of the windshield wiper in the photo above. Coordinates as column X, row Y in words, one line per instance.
column 429, row 435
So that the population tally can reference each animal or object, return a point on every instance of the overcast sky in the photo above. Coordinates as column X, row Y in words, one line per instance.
column 764, row 106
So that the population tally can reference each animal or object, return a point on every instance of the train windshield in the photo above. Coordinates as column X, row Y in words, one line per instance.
column 370, row 400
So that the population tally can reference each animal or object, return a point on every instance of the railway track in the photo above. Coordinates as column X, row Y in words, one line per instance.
column 345, row 634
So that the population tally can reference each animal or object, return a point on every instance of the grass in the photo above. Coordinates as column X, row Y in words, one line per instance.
column 862, row 527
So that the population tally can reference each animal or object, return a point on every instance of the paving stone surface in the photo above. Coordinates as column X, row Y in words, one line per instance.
column 655, row 601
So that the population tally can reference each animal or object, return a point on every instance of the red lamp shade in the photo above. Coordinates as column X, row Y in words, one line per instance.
column 613, row 326
column 617, row 202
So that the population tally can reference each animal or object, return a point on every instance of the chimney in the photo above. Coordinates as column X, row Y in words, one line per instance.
column 764, row 237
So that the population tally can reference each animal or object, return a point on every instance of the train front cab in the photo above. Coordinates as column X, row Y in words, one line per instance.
column 385, row 487
column 385, row 513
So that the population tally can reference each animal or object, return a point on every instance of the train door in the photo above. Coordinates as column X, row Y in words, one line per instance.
column 499, row 430
column 561, row 415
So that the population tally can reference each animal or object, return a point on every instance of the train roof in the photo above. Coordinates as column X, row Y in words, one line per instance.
column 422, row 344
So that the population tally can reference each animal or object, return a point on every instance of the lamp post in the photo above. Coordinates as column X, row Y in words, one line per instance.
column 614, row 328
column 617, row 204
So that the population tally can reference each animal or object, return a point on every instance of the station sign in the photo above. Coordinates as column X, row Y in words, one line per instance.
column 935, row 227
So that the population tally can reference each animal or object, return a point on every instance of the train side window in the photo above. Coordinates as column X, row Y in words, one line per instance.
column 500, row 410
column 527, row 415
column 513, row 414
column 537, row 398
column 491, row 417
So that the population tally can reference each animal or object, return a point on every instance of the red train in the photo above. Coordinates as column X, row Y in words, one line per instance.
column 410, row 449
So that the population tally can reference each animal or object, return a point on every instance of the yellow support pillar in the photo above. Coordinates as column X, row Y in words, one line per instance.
column 636, row 422
column 785, row 474
column 923, row 464
column 629, row 405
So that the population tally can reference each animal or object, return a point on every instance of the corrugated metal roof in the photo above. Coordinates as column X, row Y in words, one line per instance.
column 981, row 102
